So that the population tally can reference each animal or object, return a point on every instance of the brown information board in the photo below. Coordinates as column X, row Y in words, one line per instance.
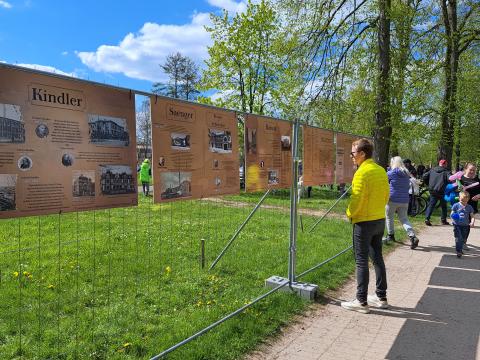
column 195, row 151
column 268, row 153
column 344, row 165
column 318, row 156
column 65, row 145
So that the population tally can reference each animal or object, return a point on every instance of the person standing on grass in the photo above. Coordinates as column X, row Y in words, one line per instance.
column 370, row 193
column 399, row 180
column 145, row 176
column 463, row 220
column 437, row 180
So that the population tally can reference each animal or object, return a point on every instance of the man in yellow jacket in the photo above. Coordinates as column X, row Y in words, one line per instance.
column 370, row 193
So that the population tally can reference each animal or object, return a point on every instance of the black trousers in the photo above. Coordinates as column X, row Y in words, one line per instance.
column 367, row 242
column 431, row 206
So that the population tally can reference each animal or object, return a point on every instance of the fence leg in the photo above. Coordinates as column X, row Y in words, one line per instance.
column 240, row 229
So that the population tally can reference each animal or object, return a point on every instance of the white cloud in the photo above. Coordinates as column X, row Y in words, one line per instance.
column 229, row 5
column 139, row 55
column 47, row 68
column 64, row 53
column 5, row 4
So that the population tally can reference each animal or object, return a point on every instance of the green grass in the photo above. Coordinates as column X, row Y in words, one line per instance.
column 321, row 199
column 126, row 283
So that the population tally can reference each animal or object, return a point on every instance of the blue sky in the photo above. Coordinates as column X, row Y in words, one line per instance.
column 117, row 42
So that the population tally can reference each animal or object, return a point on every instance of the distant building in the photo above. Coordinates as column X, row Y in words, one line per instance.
column 117, row 183
column 12, row 131
column 101, row 130
column 83, row 186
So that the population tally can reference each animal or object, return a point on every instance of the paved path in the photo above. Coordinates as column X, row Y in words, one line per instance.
column 434, row 313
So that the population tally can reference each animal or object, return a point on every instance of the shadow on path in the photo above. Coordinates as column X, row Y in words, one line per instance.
column 449, row 323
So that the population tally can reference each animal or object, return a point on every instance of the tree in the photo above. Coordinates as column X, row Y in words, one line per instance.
column 383, row 130
column 183, row 78
column 461, row 31
column 244, row 64
column 144, row 127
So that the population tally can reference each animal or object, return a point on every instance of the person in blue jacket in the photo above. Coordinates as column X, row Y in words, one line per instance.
column 399, row 180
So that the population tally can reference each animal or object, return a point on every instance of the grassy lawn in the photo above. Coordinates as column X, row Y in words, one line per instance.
column 126, row 283
column 321, row 199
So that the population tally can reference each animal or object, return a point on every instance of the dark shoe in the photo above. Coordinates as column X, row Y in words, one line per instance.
column 445, row 222
column 459, row 255
column 413, row 242
column 428, row 223
column 391, row 237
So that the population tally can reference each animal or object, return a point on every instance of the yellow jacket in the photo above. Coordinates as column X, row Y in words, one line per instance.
column 370, row 193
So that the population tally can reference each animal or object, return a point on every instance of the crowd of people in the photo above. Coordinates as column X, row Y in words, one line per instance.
column 377, row 195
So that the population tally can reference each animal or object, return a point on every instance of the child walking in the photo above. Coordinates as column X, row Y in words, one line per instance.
column 462, row 221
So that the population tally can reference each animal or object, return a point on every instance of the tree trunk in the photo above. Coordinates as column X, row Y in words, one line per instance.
column 383, row 129
column 452, row 54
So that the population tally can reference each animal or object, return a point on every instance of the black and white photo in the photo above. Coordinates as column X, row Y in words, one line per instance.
column 116, row 180
column 8, row 184
column 67, row 159
column 285, row 141
column 108, row 130
column 25, row 163
column 83, row 183
column 42, row 130
column 220, row 141
column 176, row 184
column 180, row 141
column 12, row 127
column 273, row 177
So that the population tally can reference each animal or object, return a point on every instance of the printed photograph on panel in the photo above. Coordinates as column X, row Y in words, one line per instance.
column 12, row 127
column 108, row 131
column 176, row 184
column 220, row 141
column 217, row 181
column 67, row 159
column 25, row 163
column 42, row 130
column 83, row 183
column 286, row 144
column 273, row 177
column 8, row 183
column 251, row 141
column 116, row 180
column 180, row 141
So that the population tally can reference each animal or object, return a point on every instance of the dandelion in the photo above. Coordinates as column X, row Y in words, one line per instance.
column 15, row 274
column 51, row 286
column 26, row 273
column 127, row 344
column 30, row 277
column 199, row 303
column 168, row 269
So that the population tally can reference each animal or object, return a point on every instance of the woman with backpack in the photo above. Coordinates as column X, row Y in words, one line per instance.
column 399, row 180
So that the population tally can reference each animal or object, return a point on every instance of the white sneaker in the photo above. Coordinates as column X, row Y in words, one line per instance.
column 355, row 305
column 375, row 301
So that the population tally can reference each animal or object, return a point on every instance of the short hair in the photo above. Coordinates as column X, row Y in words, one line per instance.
column 464, row 194
column 364, row 145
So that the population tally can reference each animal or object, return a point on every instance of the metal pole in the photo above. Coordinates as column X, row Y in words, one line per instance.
column 240, row 229
column 330, row 209
column 293, row 206
column 202, row 253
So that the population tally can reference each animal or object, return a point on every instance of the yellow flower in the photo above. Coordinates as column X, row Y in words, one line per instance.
column 26, row 273
column 51, row 286
column 15, row 274
column 30, row 276
column 168, row 269
column 127, row 344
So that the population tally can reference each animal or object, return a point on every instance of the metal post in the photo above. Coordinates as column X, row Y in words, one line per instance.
column 240, row 229
column 202, row 253
column 293, row 206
